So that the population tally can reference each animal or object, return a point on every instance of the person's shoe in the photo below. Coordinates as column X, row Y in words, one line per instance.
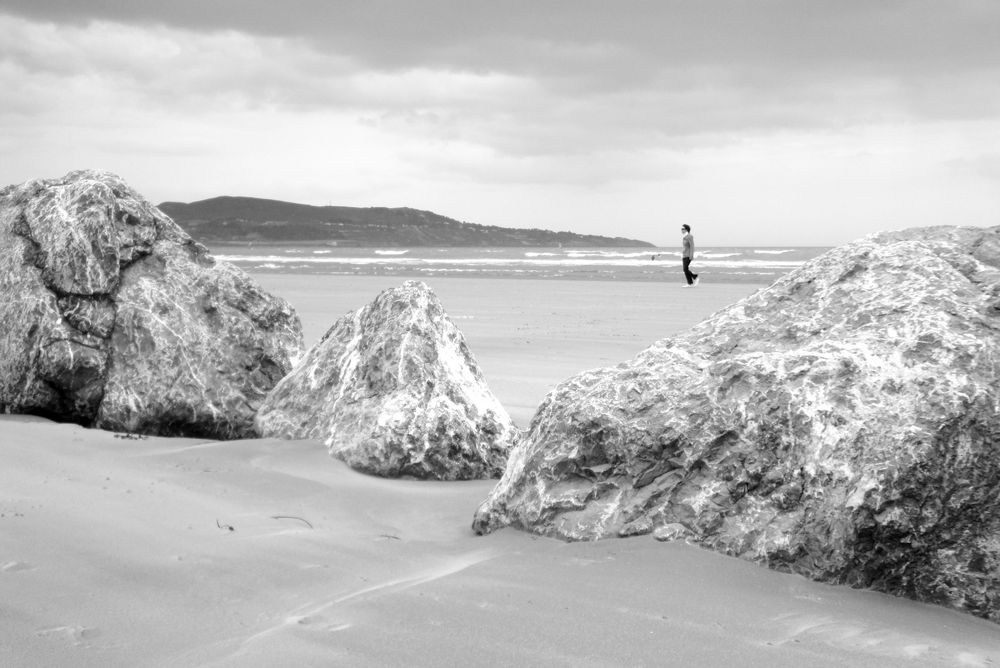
column 696, row 280
column 686, row 285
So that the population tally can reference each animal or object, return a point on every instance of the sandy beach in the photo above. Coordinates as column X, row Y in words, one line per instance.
column 186, row 552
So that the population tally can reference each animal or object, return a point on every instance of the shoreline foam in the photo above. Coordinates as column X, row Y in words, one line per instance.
column 725, row 265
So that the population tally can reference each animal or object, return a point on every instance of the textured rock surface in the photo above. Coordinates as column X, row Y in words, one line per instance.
column 841, row 424
column 113, row 317
column 393, row 390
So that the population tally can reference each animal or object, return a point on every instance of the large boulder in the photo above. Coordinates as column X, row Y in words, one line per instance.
column 113, row 317
column 393, row 390
column 841, row 424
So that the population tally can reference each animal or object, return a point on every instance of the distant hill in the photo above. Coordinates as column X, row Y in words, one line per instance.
column 249, row 219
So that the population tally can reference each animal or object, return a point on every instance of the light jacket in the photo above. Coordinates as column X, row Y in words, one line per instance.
column 688, row 246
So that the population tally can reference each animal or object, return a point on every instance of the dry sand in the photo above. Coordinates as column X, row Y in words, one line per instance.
column 183, row 552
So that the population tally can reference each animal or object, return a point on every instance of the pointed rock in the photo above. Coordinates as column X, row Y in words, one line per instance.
column 113, row 317
column 843, row 424
column 393, row 390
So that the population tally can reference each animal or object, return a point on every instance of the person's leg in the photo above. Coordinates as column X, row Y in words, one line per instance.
column 688, row 276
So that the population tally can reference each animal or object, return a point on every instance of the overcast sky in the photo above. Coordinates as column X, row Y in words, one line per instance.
column 756, row 122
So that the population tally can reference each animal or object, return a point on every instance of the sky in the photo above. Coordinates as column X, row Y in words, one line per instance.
column 757, row 122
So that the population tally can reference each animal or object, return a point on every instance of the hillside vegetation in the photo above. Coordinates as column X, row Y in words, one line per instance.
column 250, row 219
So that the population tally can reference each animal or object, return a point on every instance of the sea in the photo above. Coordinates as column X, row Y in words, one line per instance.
column 736, row 264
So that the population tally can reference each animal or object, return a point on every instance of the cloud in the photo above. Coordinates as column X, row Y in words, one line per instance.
column 892, row 34
column 983, row 165
column 751, row 51
column 727, row 109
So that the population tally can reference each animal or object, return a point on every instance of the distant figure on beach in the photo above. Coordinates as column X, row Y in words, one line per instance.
column 688, row 255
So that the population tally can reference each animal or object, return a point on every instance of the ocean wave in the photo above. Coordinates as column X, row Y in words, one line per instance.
column 392, row 252
column 762, row 251
column 591, row 261
column 756, row 264
column 604, row 253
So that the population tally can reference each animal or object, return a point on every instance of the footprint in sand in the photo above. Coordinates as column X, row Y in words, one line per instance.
column 77, row 635
column 15, row 566
column 319, row 622
column 872, row 640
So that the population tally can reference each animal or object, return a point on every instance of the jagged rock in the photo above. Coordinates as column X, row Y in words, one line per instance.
column 113, row 317
column 393, row 390
column 841, row 424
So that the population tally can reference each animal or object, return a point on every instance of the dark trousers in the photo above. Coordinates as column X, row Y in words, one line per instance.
column 687, row 271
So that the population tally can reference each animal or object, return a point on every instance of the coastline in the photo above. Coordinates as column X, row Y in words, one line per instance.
column 736, row 264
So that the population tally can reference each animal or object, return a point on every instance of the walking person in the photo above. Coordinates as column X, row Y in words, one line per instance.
column 688, row 255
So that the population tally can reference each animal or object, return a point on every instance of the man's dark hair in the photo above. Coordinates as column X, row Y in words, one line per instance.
column 686, row 228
